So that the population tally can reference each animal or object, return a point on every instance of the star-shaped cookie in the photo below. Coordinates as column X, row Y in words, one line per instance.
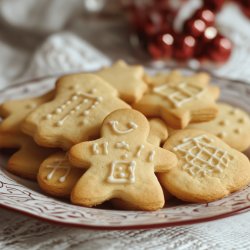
column 26, row 161
column 15, row 111
column 128, row 80
column 180, row 100
column 76, row 113
column 121, row 164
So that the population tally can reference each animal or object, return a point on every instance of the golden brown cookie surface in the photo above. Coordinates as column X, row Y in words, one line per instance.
column 232, row 125
column 208, row 169
column 75, row 114
column 180, row 100
column 128, row 80
column 121, row 164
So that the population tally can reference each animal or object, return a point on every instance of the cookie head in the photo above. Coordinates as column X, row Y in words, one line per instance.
column 208, row 169
column 126, row 123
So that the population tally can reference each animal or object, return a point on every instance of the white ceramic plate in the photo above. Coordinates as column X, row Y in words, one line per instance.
column 25, row 197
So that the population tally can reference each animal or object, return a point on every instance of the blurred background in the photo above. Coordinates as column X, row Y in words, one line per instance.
column 46, row 37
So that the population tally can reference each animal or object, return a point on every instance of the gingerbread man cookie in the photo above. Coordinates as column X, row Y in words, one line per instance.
column 81, row 103
column 128, row 80
column 208, row 169
column 232, row 125
column 57, row 176
column 121, row 164
column 157, row 135
column 180, row 100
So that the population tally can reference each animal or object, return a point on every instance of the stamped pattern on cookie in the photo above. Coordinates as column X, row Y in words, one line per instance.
column 76, row 112
column 180, row 100
column 100, row 148
column 179, row 93
column 234, row 129
column 201, row 158
column 73, row 105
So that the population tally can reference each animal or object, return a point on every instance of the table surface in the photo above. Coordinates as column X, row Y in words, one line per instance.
column 32, row 46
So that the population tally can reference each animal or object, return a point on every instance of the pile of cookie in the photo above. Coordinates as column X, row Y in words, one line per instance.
column 123, row 136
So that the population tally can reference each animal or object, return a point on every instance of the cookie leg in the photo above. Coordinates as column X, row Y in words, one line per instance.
column 147, row 196
column 90, row 190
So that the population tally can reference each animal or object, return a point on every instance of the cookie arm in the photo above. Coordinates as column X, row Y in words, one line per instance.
column 80, row 154
column 164, row 160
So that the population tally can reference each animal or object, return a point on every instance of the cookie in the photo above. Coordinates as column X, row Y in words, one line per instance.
column 232, row 125
column 158, row 132
column 121, row 164
column 208, row 169
column 76, row 113
column 57, row 176
column 128, row 80
column 26, row 161
column 180, row 100
column 157, row 135
column 15, row 111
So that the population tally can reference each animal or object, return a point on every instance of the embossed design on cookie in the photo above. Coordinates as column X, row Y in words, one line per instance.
column 201, row 158
column 122, row 172
column 97, row 148
column 179, row 94
column 59, row 165
column 131, row 127
column 73, row 105
column 151, row 156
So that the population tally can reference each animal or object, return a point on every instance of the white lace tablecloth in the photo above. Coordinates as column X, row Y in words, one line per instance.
column 40, row 38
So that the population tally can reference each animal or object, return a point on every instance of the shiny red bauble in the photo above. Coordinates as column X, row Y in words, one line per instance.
column 206, row 15
column 209, row 34
column 184, row 47
column 214, row 5
column 153, row 22
column 245, row 6
column 219, row 49
column 162, row 46
column 194, row 27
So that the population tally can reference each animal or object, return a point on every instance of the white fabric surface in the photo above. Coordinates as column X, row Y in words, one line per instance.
column 39, row 38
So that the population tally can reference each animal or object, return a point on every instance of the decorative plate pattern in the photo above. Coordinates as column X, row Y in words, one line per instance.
column 25, row 197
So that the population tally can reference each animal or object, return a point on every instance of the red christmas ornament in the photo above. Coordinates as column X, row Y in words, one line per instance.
column 219, row 49
column 245, row 6
column 209, row 34
column 194, row 27
column 206, row 15
column 214, row 5
column 155, row 51
column 153, row 22
column 184, row 47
